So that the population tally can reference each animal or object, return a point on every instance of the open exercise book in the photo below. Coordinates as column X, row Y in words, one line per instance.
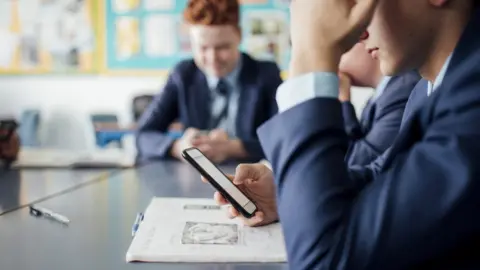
column 197, row 230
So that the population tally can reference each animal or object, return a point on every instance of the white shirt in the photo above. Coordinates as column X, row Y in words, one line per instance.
column 441, row 75
column 381, row 87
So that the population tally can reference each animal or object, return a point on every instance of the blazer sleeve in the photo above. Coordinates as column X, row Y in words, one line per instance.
column 382, row 134
column 388, row 118
column 272, row 81
column 352, row 125
column 418, row 208
column 151, row 137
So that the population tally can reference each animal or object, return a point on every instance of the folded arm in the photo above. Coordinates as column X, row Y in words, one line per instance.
column 352, row 125
column 331, row 221
column 367, row 148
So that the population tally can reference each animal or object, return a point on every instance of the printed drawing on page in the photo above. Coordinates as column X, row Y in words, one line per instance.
column 204, row 233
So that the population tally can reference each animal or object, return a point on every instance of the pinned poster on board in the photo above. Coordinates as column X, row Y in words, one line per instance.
column 266, row 35
column 142, row 36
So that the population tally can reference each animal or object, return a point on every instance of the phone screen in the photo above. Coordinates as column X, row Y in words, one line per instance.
column 212, row 173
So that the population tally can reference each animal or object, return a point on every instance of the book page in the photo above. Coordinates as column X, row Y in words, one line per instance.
column 197, row 230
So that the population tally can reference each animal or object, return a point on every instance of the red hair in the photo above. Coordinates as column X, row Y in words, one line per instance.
column 212, row 12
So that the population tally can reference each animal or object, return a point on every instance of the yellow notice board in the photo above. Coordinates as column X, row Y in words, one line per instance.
column 48, row 36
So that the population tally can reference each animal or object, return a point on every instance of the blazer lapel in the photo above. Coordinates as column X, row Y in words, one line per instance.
column 412, row 129
column 415, row 101
column 368, row 115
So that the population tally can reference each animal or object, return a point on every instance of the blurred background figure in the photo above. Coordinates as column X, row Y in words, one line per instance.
column 220, row 96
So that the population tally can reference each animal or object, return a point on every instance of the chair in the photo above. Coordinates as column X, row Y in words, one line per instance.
column 29, row 127
column 104, row 121
column 139, row 105
column 106, row 129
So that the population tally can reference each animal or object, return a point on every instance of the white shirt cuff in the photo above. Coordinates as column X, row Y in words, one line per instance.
column 305, row 87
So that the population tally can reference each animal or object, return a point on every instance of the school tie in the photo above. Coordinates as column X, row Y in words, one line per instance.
column 220, row 112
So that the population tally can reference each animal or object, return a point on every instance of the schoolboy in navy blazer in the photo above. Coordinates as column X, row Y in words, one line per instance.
column 421, row 210
column 221, row 91
column 186, row 98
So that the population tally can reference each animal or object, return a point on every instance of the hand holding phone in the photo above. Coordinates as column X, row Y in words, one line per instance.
column 220, row 182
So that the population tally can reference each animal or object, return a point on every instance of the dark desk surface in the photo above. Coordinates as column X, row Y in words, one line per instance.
column 101, row 218
column 22, row 187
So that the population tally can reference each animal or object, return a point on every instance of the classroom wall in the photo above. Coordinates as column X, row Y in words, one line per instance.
column 65, row 103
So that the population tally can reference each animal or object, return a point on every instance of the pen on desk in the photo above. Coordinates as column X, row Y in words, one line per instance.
column 136, row 224
column 40, row 211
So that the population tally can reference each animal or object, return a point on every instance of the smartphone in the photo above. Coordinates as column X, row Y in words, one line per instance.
column 220, row 182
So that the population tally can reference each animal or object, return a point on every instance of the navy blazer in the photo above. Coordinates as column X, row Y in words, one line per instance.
column 420, row 212
column 186, row 97
column 417, row 97
column 379, row 122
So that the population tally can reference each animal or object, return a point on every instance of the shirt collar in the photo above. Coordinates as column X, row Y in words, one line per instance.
column 231, row 78
column 381, row 87
column 441, row 75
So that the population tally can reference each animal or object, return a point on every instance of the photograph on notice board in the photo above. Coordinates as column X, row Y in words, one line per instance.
column 128, row 37
column 121, row 6
column 153, row 5
column 266, row 35
column 262, row 48
column 160, row 35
